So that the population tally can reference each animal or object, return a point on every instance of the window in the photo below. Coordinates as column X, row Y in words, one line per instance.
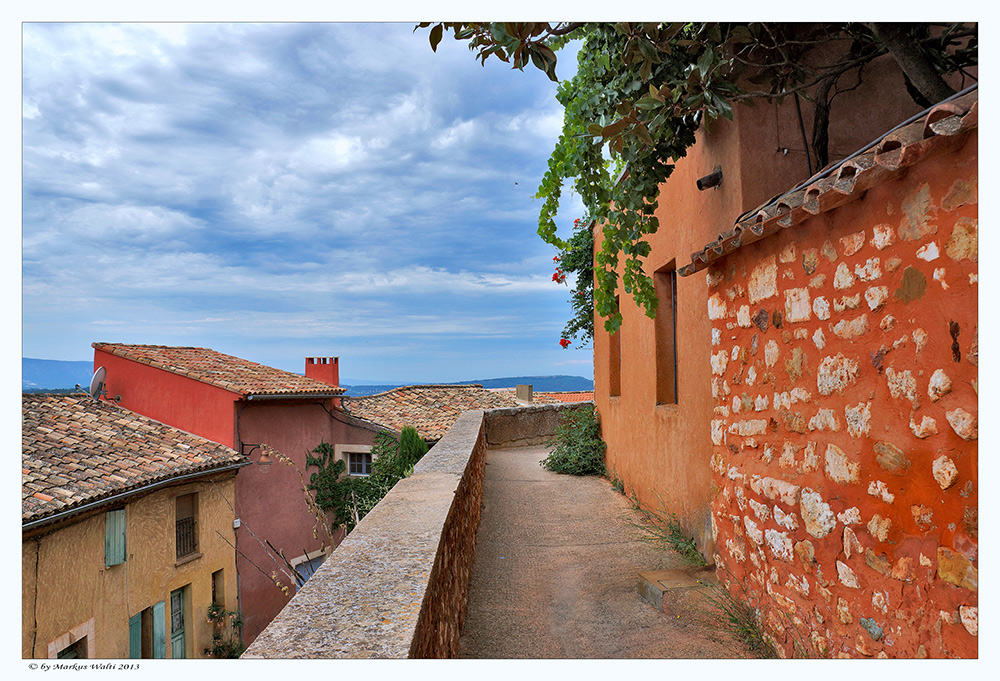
column 187, row 527
column 359, row 463
column 74, row 651
column 178, row 649
column 218, row 588
column 305, row 566
column 114, row 537
column 147, row 633
column 615, row 360
column 665, row 283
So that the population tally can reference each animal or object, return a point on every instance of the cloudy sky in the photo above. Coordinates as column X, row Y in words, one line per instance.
column 279, row 191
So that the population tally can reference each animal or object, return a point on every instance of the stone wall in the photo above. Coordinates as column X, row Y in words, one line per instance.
column 523, row 426
column 844, row 361
column 397, row 585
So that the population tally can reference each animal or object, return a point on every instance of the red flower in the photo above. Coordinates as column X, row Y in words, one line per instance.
column 555, row 259
column 563, row 342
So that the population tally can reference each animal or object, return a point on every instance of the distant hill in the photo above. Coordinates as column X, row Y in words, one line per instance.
column 538, row 383
column 52, row 374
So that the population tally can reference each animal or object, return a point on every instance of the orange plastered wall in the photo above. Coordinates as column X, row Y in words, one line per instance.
column 844, row 378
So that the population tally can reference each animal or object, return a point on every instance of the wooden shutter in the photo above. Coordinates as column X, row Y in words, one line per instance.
column 160, row 630
column 114, row 537
column 135, row 636
column 177, row 624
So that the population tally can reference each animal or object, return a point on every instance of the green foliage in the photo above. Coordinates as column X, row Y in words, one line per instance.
column 350, row 499
column 578, row 257
column 642, row 90
column 739, row 618
column 226, row 628
column 578, row 448
column 664, row 530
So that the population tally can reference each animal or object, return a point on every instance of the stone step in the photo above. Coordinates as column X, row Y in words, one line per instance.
column 677, row 592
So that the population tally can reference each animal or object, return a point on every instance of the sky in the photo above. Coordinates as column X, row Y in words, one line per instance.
column 284, row 190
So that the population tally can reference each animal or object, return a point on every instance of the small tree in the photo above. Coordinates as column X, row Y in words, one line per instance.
column 411, row 449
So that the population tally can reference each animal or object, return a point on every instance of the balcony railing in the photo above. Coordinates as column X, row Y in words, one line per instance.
column 397, row 586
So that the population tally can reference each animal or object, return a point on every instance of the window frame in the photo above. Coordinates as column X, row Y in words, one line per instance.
column 665, row 334
column 344, row 451
column 192, row 531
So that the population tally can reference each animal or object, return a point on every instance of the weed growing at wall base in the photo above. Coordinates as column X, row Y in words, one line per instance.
column 578, row 448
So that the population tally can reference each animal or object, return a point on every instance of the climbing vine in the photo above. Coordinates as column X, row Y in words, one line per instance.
column 642, row 90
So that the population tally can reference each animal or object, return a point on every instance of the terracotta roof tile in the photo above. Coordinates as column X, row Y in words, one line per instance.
column 941, row 128
column 224, row 371
column 431, row 409
column 56, row 476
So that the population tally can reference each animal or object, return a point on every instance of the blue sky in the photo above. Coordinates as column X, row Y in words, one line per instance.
column 276, row 191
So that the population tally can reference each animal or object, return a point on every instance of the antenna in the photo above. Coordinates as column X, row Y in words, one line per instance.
column 96, row 389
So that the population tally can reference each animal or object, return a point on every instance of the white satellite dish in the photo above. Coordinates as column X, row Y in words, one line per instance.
column 97, row 383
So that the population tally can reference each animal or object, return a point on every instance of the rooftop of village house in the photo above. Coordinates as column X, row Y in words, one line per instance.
column 224, row 371
column 76, row 450
column 431, row 409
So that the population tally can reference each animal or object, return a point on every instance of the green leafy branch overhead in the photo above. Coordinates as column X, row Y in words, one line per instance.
column 642, row 90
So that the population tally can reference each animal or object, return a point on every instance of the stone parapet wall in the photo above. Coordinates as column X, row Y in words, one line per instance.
column 845, row 456
column 524, row 426
column 397, row 585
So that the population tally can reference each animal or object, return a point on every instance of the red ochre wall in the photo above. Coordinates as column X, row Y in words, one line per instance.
column 170, row 398
column 660, row 451
column 271, row 504
column 845, row 438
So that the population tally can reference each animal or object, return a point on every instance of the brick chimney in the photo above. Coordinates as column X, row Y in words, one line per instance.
column 324, row 369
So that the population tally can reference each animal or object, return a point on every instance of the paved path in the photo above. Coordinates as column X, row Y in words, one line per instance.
column 556, row 573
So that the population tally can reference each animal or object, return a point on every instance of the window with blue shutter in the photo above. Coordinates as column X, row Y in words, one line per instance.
column 135, row 636
column 114, row 537
column 160, row 630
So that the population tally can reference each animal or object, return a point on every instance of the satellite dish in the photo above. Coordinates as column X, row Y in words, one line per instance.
column 97, row 383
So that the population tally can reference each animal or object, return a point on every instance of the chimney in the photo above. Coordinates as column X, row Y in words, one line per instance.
column 523, row 393
column 324, row 369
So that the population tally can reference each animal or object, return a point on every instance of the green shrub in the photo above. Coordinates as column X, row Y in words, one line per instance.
column 351, row 498
column 578, row 448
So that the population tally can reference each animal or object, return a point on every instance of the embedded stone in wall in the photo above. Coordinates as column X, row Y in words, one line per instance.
column 754, row 533
column 922, row 515
column 883, row 237
column 720, row 361
column 839, row 468
column 858, row 419
column 825, row 419
column 718, row 431
column 816, row 514
column 960, row 193
column 944, row 471
column 964, row 241
column 955, row 568
column 920, row 339
column 850, row 516
column 843, row 278
column 870, row 271
column 852, row 243
column 844, row 612
column 939, row 276
column 928, row 252
column 925, row 428
column 780, row 545
column 743, row 317
column 847, row 329
column 821, row 306
column 787, row 253
column 912, row 286
column 787, row 520
column 828, row 251
column 737, row 548
column 851, row 544
column 938, row 386
column 877, row 297
column 963, row 423
column 810, row 260
column 836, row 373
column 878, row 489
column 901, row 384
column 797, row 307
column 795, row 366
column 819, row 340
column 771, row 351
column 717, row 308
column 847, row 576
column 891, row 458
column 879, row 526
column 969, row 614
column 915, row 223
column 763, row 281
column 773, row 488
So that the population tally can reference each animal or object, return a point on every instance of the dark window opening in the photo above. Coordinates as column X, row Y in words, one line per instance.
column 665, row 283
